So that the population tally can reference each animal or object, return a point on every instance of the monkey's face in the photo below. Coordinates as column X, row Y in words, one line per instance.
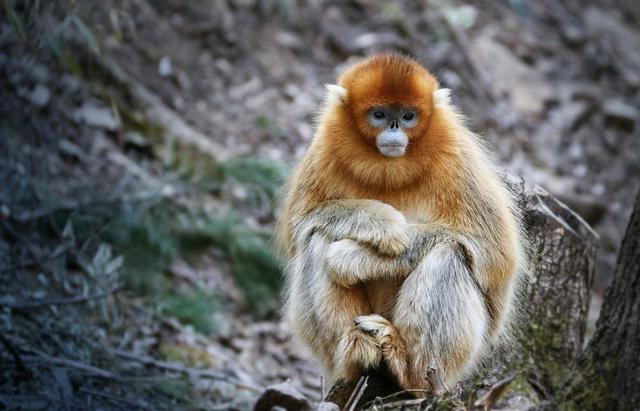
column 388, row 99
column 391, row 124
column 379, row 126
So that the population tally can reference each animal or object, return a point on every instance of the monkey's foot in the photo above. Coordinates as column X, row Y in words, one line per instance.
column 356, row 352
column 392, row 345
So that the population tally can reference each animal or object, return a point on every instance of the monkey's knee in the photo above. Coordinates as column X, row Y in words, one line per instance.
column 441, row 313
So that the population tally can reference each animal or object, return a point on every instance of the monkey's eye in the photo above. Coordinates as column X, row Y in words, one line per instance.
column 409, row 116
column 378, row 115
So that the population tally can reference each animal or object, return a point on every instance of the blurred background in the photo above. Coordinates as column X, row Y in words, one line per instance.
column 143, row 144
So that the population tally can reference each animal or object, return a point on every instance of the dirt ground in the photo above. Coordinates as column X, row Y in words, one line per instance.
column 121, row 125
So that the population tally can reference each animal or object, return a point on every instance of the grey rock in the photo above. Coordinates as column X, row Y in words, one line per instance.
column 326, row 406
column 165, row 68
column 618, row 114
column 40, row 73
column 97, row 116
column 573, row 35
column 40, row 95
column 283, row 395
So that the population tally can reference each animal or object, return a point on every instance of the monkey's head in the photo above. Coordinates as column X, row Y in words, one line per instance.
column 390, row 98
column 379, row 119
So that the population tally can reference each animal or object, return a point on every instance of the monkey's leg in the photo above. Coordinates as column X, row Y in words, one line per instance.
column 441, row 314
column 322, row 313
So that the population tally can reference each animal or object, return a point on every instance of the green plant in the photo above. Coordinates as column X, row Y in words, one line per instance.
column 255, row 267
column 144, row 237
column 151, row 239
column 40, row 25
column 194, row 307
column 14, row 19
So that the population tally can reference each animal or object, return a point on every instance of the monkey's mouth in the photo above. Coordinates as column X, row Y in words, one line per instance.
column 392, row 149
column 392, row 144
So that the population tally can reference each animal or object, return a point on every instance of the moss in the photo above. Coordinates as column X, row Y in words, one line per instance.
column 133, row 121
column 588, row 387
column 190, row 356
column 445, row 402
column 544, row 348
column 520, row 385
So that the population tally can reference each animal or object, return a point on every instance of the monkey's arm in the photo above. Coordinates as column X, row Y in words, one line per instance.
column 377, row 225
column 350, row 262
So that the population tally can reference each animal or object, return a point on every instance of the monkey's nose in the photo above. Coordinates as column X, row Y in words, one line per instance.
column 395, row 125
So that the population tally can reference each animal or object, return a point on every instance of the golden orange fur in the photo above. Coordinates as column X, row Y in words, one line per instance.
column 451, row 213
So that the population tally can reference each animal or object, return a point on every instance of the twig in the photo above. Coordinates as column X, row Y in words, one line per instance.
column 20, row 366
column 13, row 233
column 360, row 392
column 395, row 394
column 321, row 388
column 488, row 400
column 113, row 398
column 67, row 363
column 184, row 370
column 404, row 403
column 353, row 393
column 143, row 197
column 434, row 379
column 60, row 301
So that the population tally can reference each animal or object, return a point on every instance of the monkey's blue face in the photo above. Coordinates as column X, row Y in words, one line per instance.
column 392, row 140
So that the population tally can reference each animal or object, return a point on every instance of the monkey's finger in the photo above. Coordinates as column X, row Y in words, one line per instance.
column 393, row 241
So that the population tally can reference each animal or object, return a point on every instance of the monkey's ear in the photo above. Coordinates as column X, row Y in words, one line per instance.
column 442, row 97
column 336, row 95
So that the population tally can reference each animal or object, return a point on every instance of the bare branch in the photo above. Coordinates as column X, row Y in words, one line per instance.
column 59, row 301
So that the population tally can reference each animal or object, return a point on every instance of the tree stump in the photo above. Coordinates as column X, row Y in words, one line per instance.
column 607, row 376
column 550, row 331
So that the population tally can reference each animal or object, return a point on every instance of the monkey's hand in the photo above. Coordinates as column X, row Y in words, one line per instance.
column 382, row 228
column 372, row 223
